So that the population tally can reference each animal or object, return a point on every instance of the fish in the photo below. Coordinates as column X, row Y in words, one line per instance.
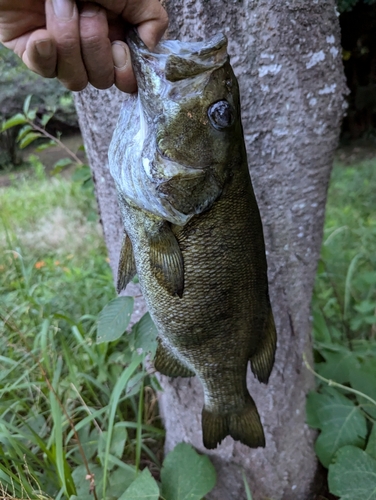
column 192, row 228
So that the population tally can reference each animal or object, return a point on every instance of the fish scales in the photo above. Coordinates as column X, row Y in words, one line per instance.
column 193, row 232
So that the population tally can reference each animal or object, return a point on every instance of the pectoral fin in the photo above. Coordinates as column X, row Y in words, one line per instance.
column 167, row 364
column 127, row 265
column 167, row 261
column 263, row 359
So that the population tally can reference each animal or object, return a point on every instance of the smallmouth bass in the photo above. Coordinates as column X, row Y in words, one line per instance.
column 193, row 232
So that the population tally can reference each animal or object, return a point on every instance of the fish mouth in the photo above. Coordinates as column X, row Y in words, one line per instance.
column 163, row 156
column 180, row 60
column 163, row 168
column 183, row 189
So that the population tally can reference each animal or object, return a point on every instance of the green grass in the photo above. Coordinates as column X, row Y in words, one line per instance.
column 344, row 332
column 344, row 301
column 61, row 395
column 75, row 414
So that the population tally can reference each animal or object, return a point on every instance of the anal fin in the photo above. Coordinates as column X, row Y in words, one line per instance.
column 167, row 364
column 127, row 265
column 243, row 425
column 262, row 360
column 167, row 260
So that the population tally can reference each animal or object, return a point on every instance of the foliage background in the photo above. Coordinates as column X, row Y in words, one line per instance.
column 55, row 281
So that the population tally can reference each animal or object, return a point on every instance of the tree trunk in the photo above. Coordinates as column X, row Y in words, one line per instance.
column 286, row 55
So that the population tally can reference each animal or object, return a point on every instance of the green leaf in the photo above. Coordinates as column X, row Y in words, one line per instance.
column 46, row 145
column 29, row 138
column 341, row 423
column 82, row 173
column 17, row 119
column 353, row 475
column 24, row 130
column 313, row 404
column 120, row 480
column 134, row 384
column 46, row 118
column 89, row 441
column 365, row 306
column 350, row 272
column 144, row 487
column 320, row 327
column 118, row 440
column 32, row 114
column 363, row 379
column 338, row 365
column 370, row 277
column 114, row 319
column 26, row 104
column 144, row 335
column 35, row 423
column 371, row 445
column 186, row 475
column 60, row 164
column 82, row 484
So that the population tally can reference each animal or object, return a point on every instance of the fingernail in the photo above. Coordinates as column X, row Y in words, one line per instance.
column 90, row 10
column 63, row 8
column 119, row 55
column 44, row 48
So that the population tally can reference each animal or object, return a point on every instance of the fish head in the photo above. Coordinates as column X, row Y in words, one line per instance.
column 190, row 120
column 190, row 94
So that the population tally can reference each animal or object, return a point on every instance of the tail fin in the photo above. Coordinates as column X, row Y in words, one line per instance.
column 244, row 426
column 263, row 359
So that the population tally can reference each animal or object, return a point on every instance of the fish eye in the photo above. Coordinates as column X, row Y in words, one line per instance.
column 221, row 115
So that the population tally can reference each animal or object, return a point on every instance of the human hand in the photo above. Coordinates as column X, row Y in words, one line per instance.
column 80, row 42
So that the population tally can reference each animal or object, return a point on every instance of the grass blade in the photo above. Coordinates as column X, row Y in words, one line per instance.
column 246, row 486
column 139, row 427
column 114, row 400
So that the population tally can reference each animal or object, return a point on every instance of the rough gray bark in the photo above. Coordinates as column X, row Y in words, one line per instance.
column 286, row 55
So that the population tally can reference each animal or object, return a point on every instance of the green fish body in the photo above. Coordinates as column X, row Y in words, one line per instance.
column 193, row 232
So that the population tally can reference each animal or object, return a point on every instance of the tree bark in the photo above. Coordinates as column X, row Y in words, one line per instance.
column 286, row 55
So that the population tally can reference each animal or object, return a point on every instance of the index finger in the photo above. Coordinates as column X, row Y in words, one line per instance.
column 148, row 15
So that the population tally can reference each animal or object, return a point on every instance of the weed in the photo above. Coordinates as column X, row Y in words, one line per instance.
column 344, row 329
column 78, row 419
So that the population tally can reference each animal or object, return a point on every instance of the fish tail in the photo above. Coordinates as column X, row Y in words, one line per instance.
column 244, row 426
column 263, row 360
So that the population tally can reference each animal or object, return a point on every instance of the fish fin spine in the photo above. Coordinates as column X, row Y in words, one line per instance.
column 244, row 426
column 262, row 360
column 127, row 266
column 167, row 261
column 167, row 364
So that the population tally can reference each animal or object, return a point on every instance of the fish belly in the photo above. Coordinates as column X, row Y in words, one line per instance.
column 218, row 323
